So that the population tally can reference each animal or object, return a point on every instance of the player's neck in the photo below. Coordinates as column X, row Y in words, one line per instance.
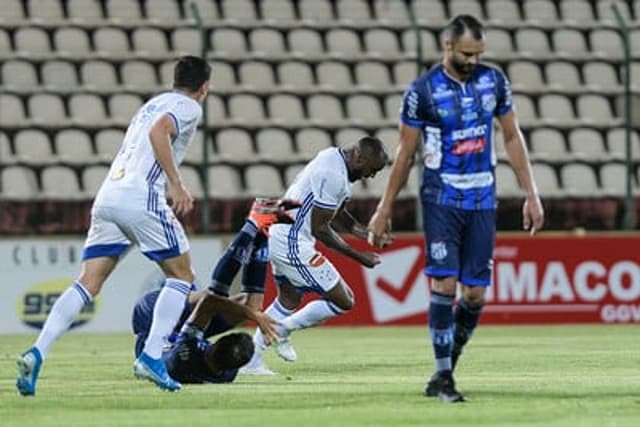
column 451, row 72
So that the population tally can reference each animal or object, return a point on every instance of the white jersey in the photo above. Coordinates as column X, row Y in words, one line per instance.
column 324, row 182
column 135, row 177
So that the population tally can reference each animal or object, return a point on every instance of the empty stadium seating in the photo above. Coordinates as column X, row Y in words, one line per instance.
column 291, row 77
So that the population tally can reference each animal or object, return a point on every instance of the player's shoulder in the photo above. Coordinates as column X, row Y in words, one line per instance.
column 492, row 70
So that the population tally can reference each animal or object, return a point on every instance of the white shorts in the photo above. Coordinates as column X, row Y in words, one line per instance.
column 158, row 233
column 306, row 270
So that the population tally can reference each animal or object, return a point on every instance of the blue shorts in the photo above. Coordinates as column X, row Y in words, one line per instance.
column 459, row 243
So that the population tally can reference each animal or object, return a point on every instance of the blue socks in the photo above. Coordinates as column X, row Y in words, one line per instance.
column 441, row 328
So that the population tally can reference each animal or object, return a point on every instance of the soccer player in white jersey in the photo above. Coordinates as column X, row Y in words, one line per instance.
column 323, row 187
column 131, row 207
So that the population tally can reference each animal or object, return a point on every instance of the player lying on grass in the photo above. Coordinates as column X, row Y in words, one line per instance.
column 209, row 312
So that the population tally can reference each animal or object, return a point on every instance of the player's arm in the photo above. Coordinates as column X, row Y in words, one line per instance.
column 322, row 230
column 380, row 222
column 344, row 222
column 516, row 149
column 160, row 136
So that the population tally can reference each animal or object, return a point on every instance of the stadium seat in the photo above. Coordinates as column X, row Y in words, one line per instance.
column 547, row 144
column 59, row 75
column 19, row 183
column 92, row 177
column 532, row 41
column 147, row 40
column 392, row 104
column 594, row 109
column 60, row 182
column 470, row 7
column 432, row 11
column 506, row 181
column 222, row 75
column 31, row 41
column 33, row 147
column 98, row 75
column 216, row 111
column 353, row 10
column 185, row 41
column 389, row 137
column 47, row 109
column 498, row 41
column 123, row 106
column 563, row 76
column 372, row 75
column 587, row 144
column 310, row 142
column 334, row 75
column 225, row 182
column 547, row 180
column 108, row 143
column 72, row 41
column 256, row 75
column 275, row 146
column 74, row 147
column 569, row 41
column 381, row 42
column 555, row 108
column 6, row 152
column 263, row 181
column 305, row 42
column 195, row 154
column 12, row 10
column 600, row 75
column 228, row 41
column 616, row 142
column 207, row 9
column 84, row 10
column 404, row 72
column 314, row 10
column 239, row 10
column 285, row 109
column 5, row 41
column 246, row 108
column 278, row 10
column 123, row 10
column 45, row 9
column 164, row 11
column 606, row 43
column 139, row 75
column 234, row 145
column 614, row 179
column 343, row 42
column 111, row 42
column 576, row 10
column 267, row 41
column 503, row 10
column 525, row 109
column 540, row 10
column 579, row 180
column 429, row 43
column 295, row 75
column 19, row 74
column 87, row 109
column 191, row 178
column 634, row 37
column 325, row 109
column 526, row 75
column 605, row 13
column 13, row 112
column 290, row 172
column 365, row 109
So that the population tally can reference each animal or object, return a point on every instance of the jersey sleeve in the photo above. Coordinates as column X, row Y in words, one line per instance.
column 504, row 102
column 327, row 187
column 412, row 110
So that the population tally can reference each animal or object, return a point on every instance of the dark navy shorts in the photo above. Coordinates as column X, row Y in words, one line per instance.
column 459, row 243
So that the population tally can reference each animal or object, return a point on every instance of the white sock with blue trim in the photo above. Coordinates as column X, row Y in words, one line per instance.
column 166, row 313
column 277, row 312
column 312, row 314
column 62, row 314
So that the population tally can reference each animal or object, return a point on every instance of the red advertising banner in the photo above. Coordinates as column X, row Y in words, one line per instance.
column 536, row 280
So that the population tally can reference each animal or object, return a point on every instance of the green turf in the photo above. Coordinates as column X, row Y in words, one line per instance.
column 513, row 376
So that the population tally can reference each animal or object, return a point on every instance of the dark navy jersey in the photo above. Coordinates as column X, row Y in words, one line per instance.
column 456, row 120
column 186, row 364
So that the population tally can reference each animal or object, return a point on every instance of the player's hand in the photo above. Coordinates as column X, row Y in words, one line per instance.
column 369, row 259
column 532, row 214
column 182, row 202
column 268, row 327
column 380, row 229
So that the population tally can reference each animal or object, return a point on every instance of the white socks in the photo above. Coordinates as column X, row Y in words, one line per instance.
column 277, row 312
column 62, row 314
column 312, row 314
column 166, row 314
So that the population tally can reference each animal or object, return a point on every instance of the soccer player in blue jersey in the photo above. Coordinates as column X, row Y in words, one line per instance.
column 452, row 107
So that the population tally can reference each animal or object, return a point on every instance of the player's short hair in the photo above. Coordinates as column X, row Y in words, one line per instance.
column 373, row 148
column 190, row 73
column 463, row 23
column 231, row 351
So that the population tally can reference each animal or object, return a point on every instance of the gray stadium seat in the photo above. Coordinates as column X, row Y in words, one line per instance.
column 267, row 41
column 547, row 144
column 60, row 182
column 498, row 41
column 429, row 43
column 392, row 105
column 12, row 10
column 431, row 11
column 123, row 10
column 532, row 41
column 123, row 106
column 334, row 75
column 97, row 74
column 606, row 43
column 74, row 147
column 614, row 179
column 616, row 142
column 32, row 40
column 594, row 109
column 33, row 147
column 192, row 181
column 314, row 10
column 139, row 75
column 17, row 73
column 6, row 153
column 381, row 42
column 111, row 41
column 108, row 143
column 45, row 9
column 404, row 72
column 547, row 180
column 59, row 75
column 19, row 183
column 470, row 7
column 600, row 75
column 364, row 109
column 185, row 41
column 305, row 42
column 576, row 10
column 555, row 108
column 164, row 11
column 83, row 10
column 587, row 144
column 263, row 181
column 325, row 109
column 147, row 40
column 228, row 41
column 256, row 74
column 207, row 9
column 275, row 145
column 290, row 172
column 246, row 108
column 225, row 182
column 239, row 10
column 285, row 109
column 234, row 145
column 294, row 74
column 503, row 10
column 278, row 10
column 569, row 41
column 47, row 109
column 506, row 181
column 92, row 177
column 310, row 141
column 353, row 10
column 343, row 42
column 373, row 75
column 389, row 137
column 216, row 111
column 605, row 13
column 579, row 180
column 540, row 10
column 563, row 76
column 87, row 109
column 72, row 41
column 525, row 109
column 526, row 75
column 13, row 113
column 195, row 153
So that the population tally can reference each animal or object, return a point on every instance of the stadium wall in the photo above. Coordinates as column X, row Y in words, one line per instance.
column 545, row 280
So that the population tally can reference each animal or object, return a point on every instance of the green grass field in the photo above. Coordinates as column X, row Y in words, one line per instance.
column 512, row 376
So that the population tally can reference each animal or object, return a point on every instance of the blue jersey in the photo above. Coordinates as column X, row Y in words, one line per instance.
column 456, row 120
column 186, row 364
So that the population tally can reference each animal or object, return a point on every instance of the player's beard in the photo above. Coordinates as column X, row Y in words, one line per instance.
column 463, row 70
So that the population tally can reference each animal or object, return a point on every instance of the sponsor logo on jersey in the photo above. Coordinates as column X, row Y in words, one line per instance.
column 488, row 102
column 34, row 306
column 438, row 250
column 411, row 101
column 442, row 91
column 469, row 146
column 484, row 82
